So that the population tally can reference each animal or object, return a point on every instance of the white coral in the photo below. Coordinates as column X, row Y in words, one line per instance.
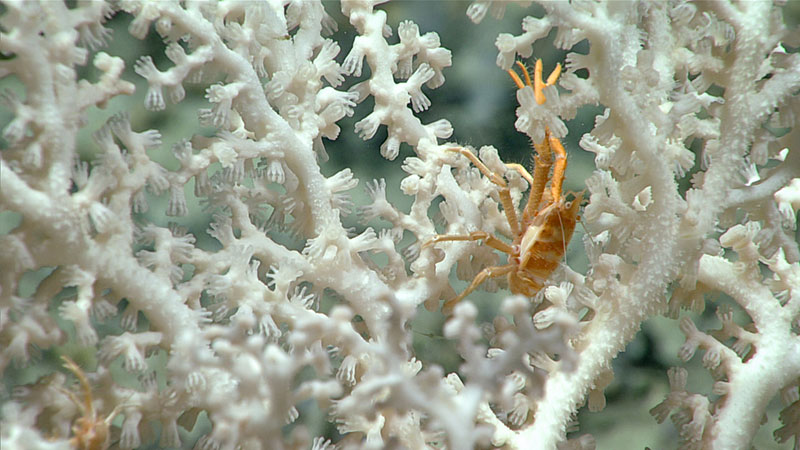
column 279, row 295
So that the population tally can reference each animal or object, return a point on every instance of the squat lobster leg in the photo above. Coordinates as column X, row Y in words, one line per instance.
column 488, row 272
column 490, row 240
column 505, row 193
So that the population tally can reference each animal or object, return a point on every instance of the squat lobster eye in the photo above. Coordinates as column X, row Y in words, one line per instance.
column 543, row 229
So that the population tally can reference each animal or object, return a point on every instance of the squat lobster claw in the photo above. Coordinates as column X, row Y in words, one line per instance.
column 542, row 233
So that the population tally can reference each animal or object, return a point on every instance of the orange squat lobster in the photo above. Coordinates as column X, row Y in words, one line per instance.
column 90, row 432
column 541, row 236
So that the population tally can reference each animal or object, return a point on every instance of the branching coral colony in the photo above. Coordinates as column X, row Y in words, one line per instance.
column 230, row 340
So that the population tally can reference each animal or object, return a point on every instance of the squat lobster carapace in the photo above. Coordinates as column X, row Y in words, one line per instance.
column 542, row 233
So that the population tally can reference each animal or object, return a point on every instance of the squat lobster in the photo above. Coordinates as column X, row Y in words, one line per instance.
column 91, row 432
column 541, row 237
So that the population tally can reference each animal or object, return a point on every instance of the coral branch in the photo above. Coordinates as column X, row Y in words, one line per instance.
column 195, row 247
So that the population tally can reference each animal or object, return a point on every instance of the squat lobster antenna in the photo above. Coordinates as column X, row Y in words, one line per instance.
column 537, row 84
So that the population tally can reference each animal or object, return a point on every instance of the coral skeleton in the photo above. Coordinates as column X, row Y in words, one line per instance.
column 228, row 285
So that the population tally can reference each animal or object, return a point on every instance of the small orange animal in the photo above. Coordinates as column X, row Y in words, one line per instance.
column 541, row 236
column 90, row 432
